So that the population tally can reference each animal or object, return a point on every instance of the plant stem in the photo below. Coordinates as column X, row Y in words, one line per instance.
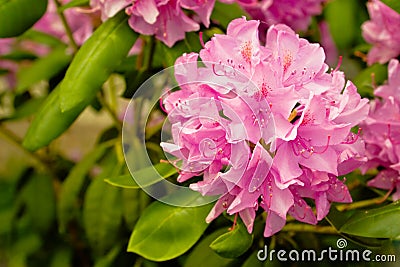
column 297, row 227
column 109, row 110
column 362, row 203
column 16, row 140
column 68, row 30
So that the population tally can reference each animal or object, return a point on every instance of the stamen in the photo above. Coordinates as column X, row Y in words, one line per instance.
column 339, row 64
column 352, row 138
column 162, row 106
column 201, row 39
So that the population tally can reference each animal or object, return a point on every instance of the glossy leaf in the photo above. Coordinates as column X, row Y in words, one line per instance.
column 233, row 243
column 99, row 56
column 90, row 68
column 204, row 254
column 377, row 222
column 43, row 68
column 17, row 16
column 49, row 122
column 127, row 181
column 164, row 232
column 393, row 4
column 68, row 206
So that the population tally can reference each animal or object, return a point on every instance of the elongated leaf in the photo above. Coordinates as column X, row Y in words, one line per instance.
column 49, row 122
column 233, row 243
column 68, row 203
column 74, row 3
column 126, row 181
column 204, row 254
column 39, row 199
column 164, row 232
column 393, row 4
column 102, row 215
column 43, row 68
column 27, row 109
column 16, row 16
column 379, row 223
column 95, row 61
column 89, row 69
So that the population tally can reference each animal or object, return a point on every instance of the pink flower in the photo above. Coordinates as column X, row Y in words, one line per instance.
column 265, row 126
column 163, row 18
column 382, row 133
column 382, row 32
column 80, row 23
column 296, row 14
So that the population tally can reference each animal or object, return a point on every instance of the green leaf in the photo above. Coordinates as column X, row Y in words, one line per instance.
column 233, row 243
column 223, row 14
column 26, row 109
column 49, row 122
column 363, row 80
column 204, row 254
column 342, row 14
column 68, row 205
column 43, row 68
column 99, row 56
column 102, row 214
column 378, row 223
column 73, row 3
column 16, row 16
column 126, row 181
column 164, row 232
column 39, row 198
column 108, row 259
column 393, row 4
column 89, row 69
column 41, row 37
column 130, row 206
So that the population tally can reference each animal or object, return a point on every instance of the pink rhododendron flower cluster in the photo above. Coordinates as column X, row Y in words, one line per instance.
column 266, row 126
column 382, row 31
column 294, row 13
column 163, row 18
column 381, row 131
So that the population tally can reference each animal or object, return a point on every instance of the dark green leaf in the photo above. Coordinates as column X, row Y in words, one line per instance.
column 16, row 16
column 378, row 223
column 341, row 14
column 99, row 56
column 74, row 3
column 393, row 4
column 147, row 174
column 225, row 13
column 68, row 206
column 43, row 68
column 202, row 253
column 27, row 109
column 364, row 82
column 164, row 232
column 102, row 214
column 233, row 243
column 40, row 206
